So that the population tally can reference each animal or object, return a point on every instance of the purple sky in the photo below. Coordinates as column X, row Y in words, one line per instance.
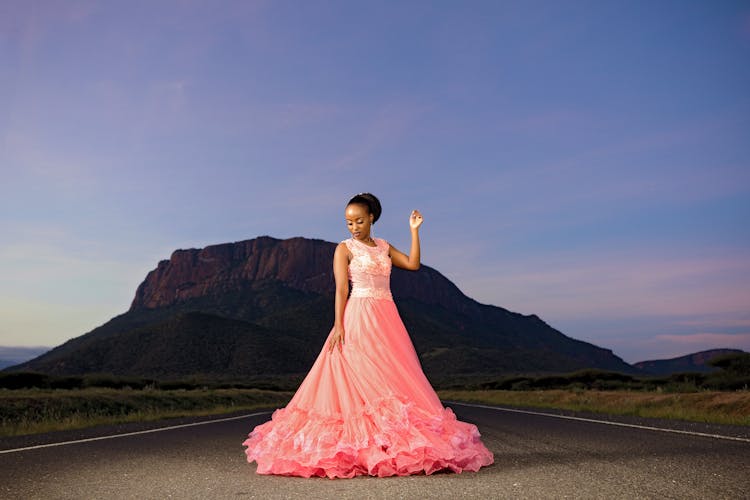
column 588, row 162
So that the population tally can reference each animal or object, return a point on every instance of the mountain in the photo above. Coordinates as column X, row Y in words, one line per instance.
column 695, row 362
column 265, row 306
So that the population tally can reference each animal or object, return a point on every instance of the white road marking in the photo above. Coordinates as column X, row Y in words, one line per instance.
column 608, row 422
column 159, row 429
column 497, row 408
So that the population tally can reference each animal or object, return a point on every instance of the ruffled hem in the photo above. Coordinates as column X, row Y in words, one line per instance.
column 391, row 436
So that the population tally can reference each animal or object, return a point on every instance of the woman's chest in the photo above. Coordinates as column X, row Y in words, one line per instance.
column 375, row 261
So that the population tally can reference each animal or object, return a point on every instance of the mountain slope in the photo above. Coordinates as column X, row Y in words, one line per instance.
column 192, row 343
column 695, row 362
column 267, row 292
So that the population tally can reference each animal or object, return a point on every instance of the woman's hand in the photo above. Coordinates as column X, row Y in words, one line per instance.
column 415, row 219
column 336, row 338
column 411, row 261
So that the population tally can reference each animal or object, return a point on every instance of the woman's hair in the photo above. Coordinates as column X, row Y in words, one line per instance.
column 370, row 201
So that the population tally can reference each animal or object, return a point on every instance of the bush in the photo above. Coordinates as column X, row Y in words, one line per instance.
column 66, row 382
column 738, row 364
column 688, row 378
column 504, row 384
column 177, row 384
column 589, row 379
column 24, row 380
column 113, row 382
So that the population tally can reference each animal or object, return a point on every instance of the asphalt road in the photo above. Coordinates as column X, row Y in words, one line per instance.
column 536, row 456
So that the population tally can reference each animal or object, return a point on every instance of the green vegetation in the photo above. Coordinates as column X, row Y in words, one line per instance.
column 34, row 402
column 33, row 380
column 708, row 406
column 719, row 397
column 733, row 376
column 33, row 411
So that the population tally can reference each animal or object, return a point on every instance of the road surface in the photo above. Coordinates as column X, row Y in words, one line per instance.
column 536, row 456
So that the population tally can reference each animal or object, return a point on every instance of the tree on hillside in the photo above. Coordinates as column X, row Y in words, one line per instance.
column 737, row 364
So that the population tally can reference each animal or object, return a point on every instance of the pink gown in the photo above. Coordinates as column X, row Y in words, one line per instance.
column 367, row 409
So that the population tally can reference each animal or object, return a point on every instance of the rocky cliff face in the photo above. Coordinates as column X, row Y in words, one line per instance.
column 302, row 264
column 217, row 269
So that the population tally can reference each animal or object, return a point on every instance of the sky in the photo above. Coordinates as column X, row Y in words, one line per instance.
column 585, row 161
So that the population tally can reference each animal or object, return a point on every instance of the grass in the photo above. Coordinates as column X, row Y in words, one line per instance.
column 718, row 407
column 32, row 411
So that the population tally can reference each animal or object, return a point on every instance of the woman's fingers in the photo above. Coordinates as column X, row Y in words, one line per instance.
column 415, row 219
column 336, row 340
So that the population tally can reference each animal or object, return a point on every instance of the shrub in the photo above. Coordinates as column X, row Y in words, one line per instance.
column 24, row 380
column 734, row 363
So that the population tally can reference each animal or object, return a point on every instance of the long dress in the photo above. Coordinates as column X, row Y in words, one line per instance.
column 366, row 409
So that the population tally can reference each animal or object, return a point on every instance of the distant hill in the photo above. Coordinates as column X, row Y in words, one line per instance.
column 695, row 362
column 265, row 306
column 10, row 356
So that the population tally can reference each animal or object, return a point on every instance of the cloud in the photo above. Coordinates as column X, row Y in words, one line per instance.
column 387, row 124
column 301, row 113
column 551, row 120
column 570, row 284
column 654, row 168
column 706, row 338
column 715, row 321
column 744, row 26
column 30, row 322
column 49, row 262
column 666, row 346
column 172, row 95
column 27, row 23
column 57, row 285
column 33, row 164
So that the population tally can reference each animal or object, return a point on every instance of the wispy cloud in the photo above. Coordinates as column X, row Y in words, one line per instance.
column 706, row 339
column 571, row 284
column 172, row 94
column 665, row 346
column 57, row 285
column 618, row 172
column 387, row 124
column 34, row 165
column 634, row 303
column 714, row 321
column 28, row 23
column 301, row 113
column 743, row 25
column 31, row 322
column 669, row 346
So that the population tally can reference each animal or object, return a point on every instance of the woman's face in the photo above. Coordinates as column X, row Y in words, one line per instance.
column 358, row 221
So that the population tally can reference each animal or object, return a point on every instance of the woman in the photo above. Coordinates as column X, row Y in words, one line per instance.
column 366, row 407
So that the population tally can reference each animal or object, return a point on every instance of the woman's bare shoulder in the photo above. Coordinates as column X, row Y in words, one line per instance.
column 343, row 247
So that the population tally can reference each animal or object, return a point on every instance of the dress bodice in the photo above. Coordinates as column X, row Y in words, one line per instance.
column 370, row 269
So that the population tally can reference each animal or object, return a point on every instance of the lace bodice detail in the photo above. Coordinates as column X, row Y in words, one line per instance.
column 370, row 269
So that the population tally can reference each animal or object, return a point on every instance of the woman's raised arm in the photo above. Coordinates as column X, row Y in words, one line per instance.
column 411, row 261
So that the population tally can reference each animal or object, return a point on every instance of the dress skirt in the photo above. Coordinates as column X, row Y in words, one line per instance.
column 366, row 409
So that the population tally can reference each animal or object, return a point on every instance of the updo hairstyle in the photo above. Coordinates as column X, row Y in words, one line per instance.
column 370, row 201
